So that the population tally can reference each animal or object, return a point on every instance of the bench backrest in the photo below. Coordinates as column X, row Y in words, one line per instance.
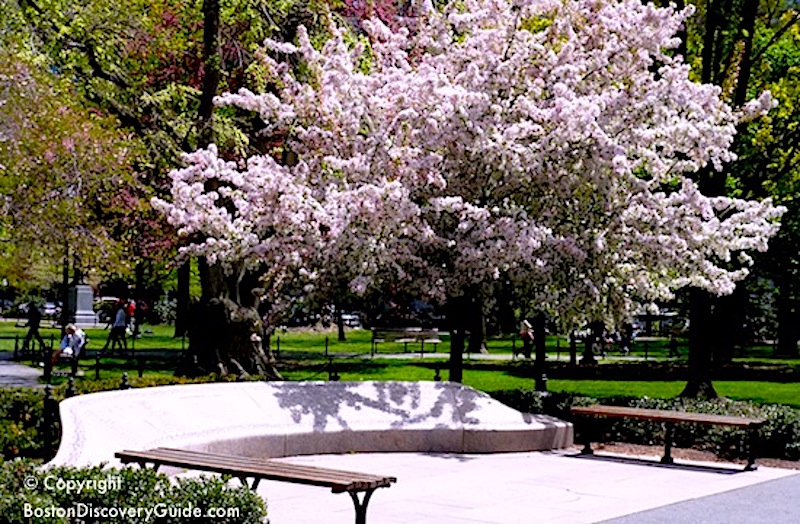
column 413, row 333
column 660, row 415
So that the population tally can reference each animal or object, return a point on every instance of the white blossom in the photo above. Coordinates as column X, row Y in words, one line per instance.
column 533, row 139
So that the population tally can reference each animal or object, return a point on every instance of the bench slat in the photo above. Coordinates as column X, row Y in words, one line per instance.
column 659, row 415
column 337, row 480
column 669, row 418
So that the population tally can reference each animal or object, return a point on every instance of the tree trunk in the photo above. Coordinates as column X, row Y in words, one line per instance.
column 183, row 299
column 506, row 319
column 749, row 14
column 595, row 335
column 788, row 331
column 211, row 71
column 457, row 310
column 65, row 292
column 457, row 339
column 703, row 336
column 226, row 333
column 728, row 324
column 709, row 40
column 682, row 33
column 476, row 327
column 573, row 349
column 701, row 343
column 340, row 324
column 226, row 338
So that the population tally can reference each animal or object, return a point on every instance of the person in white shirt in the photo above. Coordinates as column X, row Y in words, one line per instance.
column 117, row 336
column 72, row 343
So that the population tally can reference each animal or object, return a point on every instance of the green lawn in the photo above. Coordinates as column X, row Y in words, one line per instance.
column 303, row 357
column 159, row 337
column 761, row 392
column 504, row 378
column 312, row 344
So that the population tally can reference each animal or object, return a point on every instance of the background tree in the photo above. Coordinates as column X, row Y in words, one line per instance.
column 738, row 45
column 770, row 158
column 156, row 68
column 59, row 192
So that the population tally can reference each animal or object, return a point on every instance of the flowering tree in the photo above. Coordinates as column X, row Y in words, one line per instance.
column 548, row 142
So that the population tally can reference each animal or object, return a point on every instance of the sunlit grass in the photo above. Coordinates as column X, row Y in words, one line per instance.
column 303, row 357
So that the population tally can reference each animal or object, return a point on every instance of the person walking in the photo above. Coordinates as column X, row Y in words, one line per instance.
column 117, row 336
column 526, row 334
column 34, row 320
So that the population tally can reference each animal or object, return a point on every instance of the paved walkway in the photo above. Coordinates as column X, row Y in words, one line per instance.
column 552, row 487
column 14, row 374
column 541, row 488
column 773, row 502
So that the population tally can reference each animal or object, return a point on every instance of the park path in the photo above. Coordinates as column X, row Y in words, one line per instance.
column 14, row 374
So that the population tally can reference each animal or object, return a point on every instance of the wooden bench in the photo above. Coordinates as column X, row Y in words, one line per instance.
column 72, row 361
column 246, row 467
column 669, row 419
column 405, row 336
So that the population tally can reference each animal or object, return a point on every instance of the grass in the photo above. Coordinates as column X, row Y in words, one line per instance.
column 498, row 377
column 312, row 344
column 759, row 392
column 303, row 357
column 160, row 337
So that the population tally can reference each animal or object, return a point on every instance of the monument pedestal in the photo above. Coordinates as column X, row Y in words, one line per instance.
column 80, row 306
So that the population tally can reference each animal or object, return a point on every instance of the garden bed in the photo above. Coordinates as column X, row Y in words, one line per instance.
column 695, row 455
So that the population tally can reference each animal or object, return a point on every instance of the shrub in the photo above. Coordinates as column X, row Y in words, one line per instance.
column 780, row 435
column 111, row 384
column 21, row 422
column 28, row 495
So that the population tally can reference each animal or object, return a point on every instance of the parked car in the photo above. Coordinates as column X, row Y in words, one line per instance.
column 51, row 310
column 351, row 320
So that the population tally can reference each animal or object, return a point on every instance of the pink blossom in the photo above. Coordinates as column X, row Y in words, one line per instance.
column 477, row 148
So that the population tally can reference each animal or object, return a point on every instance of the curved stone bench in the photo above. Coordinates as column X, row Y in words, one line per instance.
column 279, row 419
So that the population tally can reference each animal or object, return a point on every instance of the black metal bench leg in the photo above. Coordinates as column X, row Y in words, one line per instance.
column 588, row 427
column 253, row 486
column 752, row 449
column 667, row 458
column 143, row 464
column 361, row 505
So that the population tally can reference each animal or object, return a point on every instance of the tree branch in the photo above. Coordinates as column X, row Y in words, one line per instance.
column 778, row 34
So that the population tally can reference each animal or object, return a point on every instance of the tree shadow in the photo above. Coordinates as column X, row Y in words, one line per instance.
column 720, row 470
column 401, row 400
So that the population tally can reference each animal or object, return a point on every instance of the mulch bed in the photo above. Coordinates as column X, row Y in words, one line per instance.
column 686, row 454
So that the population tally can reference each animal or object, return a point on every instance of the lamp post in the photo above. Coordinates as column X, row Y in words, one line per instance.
column 65, row 290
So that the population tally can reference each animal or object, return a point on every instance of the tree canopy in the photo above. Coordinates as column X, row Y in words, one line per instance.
column 546, row 141
column 63, row 169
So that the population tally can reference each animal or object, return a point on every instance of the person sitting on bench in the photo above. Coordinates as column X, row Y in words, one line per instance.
column 72, row 343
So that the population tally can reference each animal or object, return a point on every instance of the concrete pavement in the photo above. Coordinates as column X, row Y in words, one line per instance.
column 535, row 487
column 14, row 374
column 772, row 502
column 541, row 487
